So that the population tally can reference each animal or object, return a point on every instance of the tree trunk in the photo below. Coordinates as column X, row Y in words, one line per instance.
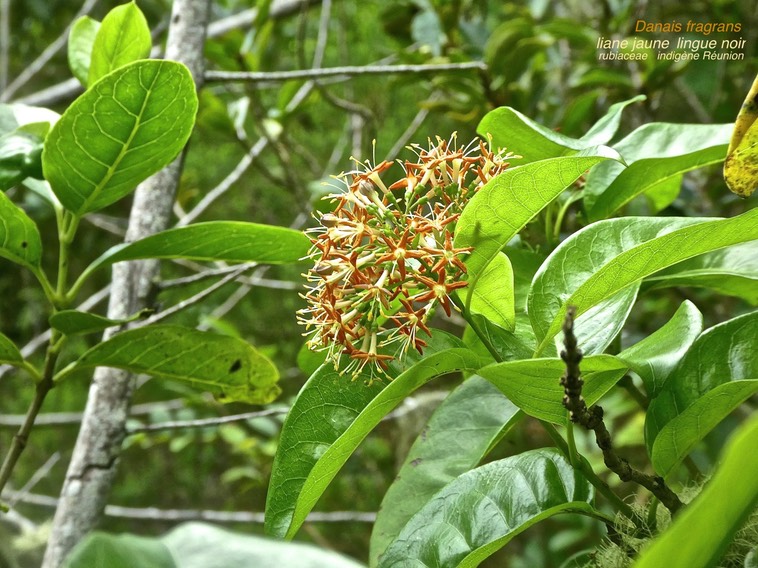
column 93, row 464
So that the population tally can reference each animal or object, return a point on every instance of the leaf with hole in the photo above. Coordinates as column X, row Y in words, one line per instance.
column 459, row 434
column 122, row 38
column 20, row 241
column 534, row 384
column 482, row 510
column 125, row 128
column 228, row 367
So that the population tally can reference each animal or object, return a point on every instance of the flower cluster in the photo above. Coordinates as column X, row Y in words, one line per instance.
column 384, row 257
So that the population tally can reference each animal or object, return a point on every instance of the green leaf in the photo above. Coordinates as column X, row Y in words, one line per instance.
column 123, row 129
column 664, row 150
column 510, row 345
column 20, row 152
column 603, row 130
column 482, row 510
column 732, row 271
column 73, row 322
column 9, row 353
column 199, row 545
column 742, row 155
column 638, row 262
column 122, row 38
column 586, row 252
column 100, row 550
column 501, row 208
column 719, row 356
column 695, row 539
column 533, row 142
column 680, row 436
column 458, row 435
column 534, row 384
column 655, row 357
column 19, row 238
column 494, row 297
column 226, row 366
column 229, row 241
column 327, row 422
column 647, row 174
column 80, row 44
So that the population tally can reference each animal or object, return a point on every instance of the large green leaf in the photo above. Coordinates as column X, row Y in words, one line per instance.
column 226, row 366
column 200, row 545
column 100, row 550
column 330, row 417
column 637, row 262
column 648, row 174
column 701, row 533
column 680, row 436
column 501, row 208
column 722, row 354
column 19, row 238
column 732, row 271
column 655, row 357
column 9, row 353
column 530, row 140
column 478, row 513
column 122, row 38
column 126, row 127
column 664, row 150
column 510, row 345
column 458, row 435
column 230, row 241
column 586, row 252
column 534, row 384
column 80, row 42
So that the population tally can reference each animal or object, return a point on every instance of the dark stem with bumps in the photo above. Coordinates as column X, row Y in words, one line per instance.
column 592, row 419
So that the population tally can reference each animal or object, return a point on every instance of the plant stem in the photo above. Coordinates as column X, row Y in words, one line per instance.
column 22, row 436
column 628, row 385
column 571, row 444
column 578, row 461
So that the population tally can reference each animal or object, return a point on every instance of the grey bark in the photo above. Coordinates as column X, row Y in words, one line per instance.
column 93, row 465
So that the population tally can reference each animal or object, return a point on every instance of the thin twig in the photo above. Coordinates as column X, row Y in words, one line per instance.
column 346, row 71
column 35, row 66
column 205, row 422
column 178, row 515
column 38, row 476
column 592, row 419
column 5, row 9
column 191, row 301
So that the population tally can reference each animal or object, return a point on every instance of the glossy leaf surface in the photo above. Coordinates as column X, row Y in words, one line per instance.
column 455, row 439
column 228, row 367
column 721, row 355
column 80, row 41
column 533, row 384
column 638, row 262
column 122, row 38
column 479, row 512
column 327, row 422
column 124, row 128
column 501, row 208
column 659, row 353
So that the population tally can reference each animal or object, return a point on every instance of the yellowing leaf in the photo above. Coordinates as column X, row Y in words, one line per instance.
column 741, row 164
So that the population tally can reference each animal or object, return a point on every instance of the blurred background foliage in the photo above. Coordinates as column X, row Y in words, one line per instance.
column 541, row 59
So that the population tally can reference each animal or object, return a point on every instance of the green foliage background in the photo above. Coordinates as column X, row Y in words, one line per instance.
column 542, row 61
